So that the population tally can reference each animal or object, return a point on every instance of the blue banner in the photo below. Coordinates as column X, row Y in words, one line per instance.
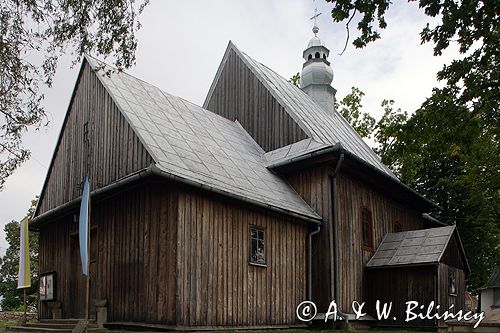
column 84, row 226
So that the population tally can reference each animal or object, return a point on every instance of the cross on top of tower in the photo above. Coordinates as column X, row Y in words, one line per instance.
column 315, row 18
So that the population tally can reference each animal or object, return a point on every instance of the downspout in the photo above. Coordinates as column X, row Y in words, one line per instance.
column 336, row 234
column 309, row 261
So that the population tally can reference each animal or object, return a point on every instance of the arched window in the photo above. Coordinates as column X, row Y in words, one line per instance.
column 366, row 230
column 316, row 55
column 398, row 227
column 324, row 56
column 310, row 57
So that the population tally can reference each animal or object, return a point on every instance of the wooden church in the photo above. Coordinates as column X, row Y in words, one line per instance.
column 231, row 214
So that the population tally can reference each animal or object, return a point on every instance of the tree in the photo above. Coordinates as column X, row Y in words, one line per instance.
column 350, row 108
column 387, row 131
column 33, row 34
column 9, row 266
column 295, row 79
column 449, row 149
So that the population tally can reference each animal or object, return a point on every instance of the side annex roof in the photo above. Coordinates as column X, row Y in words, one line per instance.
column 415, row 247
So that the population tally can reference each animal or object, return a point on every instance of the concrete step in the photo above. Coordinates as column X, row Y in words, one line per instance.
column 72, row 321
column 57, row 325
column 54, row 326
column 48, row 330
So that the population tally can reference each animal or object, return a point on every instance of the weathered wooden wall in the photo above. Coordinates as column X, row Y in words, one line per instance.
column 217, row 285
column 400, row 285
column 314, row 185
column 452, row 259
column 240, row 95
column 353, row 195
column 54, row 242
column 445, row 300
column 134, row 261
column 203, row 277
column 115, row 150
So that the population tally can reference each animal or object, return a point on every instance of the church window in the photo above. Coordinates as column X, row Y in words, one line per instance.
column 452, row 281
column 366, row 229
column 86, row 132
column 324, row 56
column 257, row 246
column 316, row 55
column 398, row 227
column 310, row 57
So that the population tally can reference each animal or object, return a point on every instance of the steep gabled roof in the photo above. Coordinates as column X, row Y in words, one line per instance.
column 190, row 143
column 323, row 126
column 416, row 247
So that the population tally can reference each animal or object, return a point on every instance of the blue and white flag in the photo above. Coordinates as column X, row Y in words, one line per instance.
column 84, row 226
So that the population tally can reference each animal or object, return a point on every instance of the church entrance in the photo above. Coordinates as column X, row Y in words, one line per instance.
column 77, row 282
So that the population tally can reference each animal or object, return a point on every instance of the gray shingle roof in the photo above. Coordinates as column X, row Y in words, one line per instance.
column 415, row 247
column 195, row 144
column 323, row 126
column 494, row 280
column 293, row 151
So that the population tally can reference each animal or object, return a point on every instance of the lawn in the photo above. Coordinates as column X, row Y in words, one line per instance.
column 332, row 331
column 6, row 323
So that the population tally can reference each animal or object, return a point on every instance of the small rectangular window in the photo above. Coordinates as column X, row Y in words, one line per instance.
column 452, row 282
column 86, row 132
column 496, row 298
column 257, row 246
column 366, row 229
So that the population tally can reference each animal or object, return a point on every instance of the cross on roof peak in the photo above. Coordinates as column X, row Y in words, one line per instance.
column 315, row 18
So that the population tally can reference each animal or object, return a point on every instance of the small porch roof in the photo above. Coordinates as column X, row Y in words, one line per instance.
column 415, row 248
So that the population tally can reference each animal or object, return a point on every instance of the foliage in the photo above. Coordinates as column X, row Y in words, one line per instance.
column 295, row 79
column 350, row 108
column 449, row 149
column 9, row 266
column 33, row 35
column 387, row 131
column 7, row 323
column 454, row 160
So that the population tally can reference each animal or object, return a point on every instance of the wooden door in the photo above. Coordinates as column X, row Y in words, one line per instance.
column 77, row 281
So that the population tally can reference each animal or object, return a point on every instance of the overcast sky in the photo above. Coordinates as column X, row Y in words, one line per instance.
column 181, row 44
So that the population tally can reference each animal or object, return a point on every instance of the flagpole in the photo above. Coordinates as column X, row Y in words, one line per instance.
column 87, row 294
column 24, row 302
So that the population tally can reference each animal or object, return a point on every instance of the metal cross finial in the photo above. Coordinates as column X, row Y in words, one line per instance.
column 315, row 18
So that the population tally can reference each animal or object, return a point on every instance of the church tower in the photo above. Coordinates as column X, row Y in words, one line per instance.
column 317, row 75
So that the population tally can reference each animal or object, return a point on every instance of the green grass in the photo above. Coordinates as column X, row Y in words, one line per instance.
column 333, row 331
column 7, row 323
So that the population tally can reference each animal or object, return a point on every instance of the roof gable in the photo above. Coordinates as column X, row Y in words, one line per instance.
column 191, row 144
column 121, row 154
column 238, row 94
column 323, row 126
